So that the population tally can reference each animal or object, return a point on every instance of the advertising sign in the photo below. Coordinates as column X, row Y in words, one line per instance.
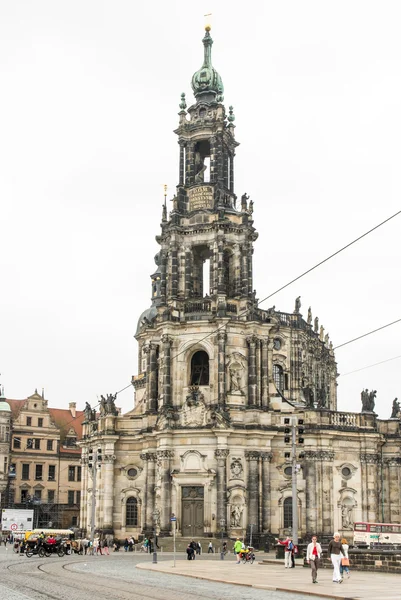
column 16, row 519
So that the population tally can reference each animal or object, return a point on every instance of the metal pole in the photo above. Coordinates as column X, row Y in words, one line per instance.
column 174, row 527
column 93, row 513
column 294, row 483
column 154, row 561
column 222, row 525
column 250, row 541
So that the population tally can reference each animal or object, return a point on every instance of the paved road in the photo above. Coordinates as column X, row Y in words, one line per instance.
column 110, row 578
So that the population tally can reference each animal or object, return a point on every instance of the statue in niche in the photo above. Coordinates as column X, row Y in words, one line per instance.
column 200, row 168
column 347, row 521
column 236, row 514
column 236, row 468
column 235, row 378
column 395, row 411
column 368, row 400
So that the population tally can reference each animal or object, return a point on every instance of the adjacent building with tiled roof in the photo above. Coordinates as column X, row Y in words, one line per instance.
column 45, row 462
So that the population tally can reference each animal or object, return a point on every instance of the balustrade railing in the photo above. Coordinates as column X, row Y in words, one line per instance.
column 343, row 419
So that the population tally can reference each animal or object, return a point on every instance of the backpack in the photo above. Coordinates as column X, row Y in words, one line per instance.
column 290, row 546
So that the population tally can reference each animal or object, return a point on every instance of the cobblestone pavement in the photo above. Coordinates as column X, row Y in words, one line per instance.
column 111, row 577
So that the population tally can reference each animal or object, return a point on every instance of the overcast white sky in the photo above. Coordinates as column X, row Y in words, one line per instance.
column 90, row 94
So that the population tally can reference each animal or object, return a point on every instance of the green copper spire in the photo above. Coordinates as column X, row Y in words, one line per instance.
column 206, row 83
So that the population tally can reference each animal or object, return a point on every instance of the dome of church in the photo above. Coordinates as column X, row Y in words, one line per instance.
column 4, row 406
column 206, row 82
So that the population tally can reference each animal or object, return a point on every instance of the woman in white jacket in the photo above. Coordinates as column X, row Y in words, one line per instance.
column 313, row 554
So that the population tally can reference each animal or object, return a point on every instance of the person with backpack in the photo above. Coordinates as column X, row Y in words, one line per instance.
column 288, row 549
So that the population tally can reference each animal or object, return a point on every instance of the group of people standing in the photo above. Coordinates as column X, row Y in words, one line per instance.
column 337, row 552
column 193, row 549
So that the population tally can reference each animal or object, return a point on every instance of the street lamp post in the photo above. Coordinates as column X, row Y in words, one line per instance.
column 155, row 515
column 222, row 524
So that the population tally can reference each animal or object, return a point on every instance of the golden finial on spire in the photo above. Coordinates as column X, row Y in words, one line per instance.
column 207, row 21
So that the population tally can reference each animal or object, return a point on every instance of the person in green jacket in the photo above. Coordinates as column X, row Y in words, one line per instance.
column 237, row 549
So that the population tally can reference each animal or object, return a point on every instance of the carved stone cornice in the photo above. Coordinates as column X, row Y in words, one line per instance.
column 221, row 453
column 371, row 459
column 318, row 455
column 266, row 456
column 252, row 455
column 252, row 339
column 165, row 454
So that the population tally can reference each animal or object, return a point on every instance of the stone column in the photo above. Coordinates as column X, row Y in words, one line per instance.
column 265, row 372
column 149, row 507
column 190, row 164
column 220, row 268
column 189, row 285
column 327, row 458
column 252, row 457
column 165, row 456
column 221, row 366
column 258, row 374
column 225, row 168
column 213, row 160
column 108, row 489
column 163, row 275
column 182, row 163
column 250, row 270
column 221, row 485
column 251, row 371
column 393, row 484
column 167, row 342
column 84, row 491
column 152, row 401
column 310, row 492
column 266, row 514
column 219, row 153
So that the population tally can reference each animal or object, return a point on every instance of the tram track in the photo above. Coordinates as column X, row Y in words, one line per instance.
column 65, row 581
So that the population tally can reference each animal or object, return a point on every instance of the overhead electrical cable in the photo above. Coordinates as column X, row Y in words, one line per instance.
column 369, row 366
column 366, row 334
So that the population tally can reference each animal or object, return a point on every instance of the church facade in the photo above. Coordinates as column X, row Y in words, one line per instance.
column 220, row 381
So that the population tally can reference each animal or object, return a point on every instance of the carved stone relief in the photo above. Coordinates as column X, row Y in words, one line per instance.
column 236, row 373
column 236, row 469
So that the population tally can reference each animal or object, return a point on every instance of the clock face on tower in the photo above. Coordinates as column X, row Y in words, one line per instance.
column 277, row 344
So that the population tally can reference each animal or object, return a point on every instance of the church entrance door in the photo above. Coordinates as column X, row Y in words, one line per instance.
column 192, row 511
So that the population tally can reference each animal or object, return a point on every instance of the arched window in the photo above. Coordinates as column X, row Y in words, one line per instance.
column 287, row 513
column 200, row 368
column 278, row 377
column 132, row 512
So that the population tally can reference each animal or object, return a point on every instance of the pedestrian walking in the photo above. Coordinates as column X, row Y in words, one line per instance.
column 85, row 544
column 288, row 548
column 345, row 560
column 105, row 547
column 190, row 552
column 237, row 549
column 335, row 551
column 313, row 554
column 210, row 548
column 126, row 545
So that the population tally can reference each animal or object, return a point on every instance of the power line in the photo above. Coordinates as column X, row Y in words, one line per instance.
column 243, row 313
column 369, row 366
column 365, row 334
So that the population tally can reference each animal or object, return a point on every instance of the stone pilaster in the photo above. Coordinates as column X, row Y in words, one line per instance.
column 165, row 457
column 220, row 268
column 221, row 484
column 190, row 164
column 391, row 476
column 222, row 338
column 213, row 160
column 182, row 163
column 174, row 270
column 163, row 275
column 258, row 400
column 108, row 489
column 244, row 270
column 327, row 489
column 266, row 498
column 251, row 371
column 311, row 491
column 144, row 458
column 250, row 270
column 252, row 457
column 225, row 168
column 167, row 342
column 232, row 173
column 265, row 372
column 149, row 507
column 369, row 475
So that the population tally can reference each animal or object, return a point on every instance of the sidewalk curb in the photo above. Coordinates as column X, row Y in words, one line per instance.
column 147, row 567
